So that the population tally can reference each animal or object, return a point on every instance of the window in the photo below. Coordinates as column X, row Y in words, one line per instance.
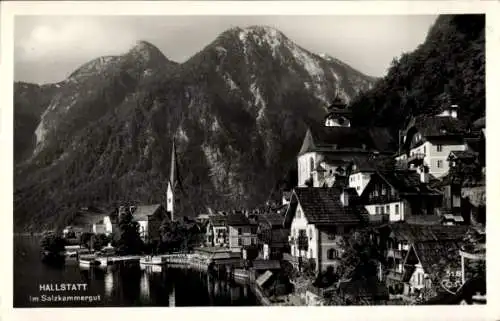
column 439, row 164
column 424, row 149
column 383, row 191
column 298, row 213
column 311, row 165
column 439, row 148
column 377, row 210
column 396, row 209
column 331, row 254
column 382, row 210
column 239, row 231
column 388, row 209
column 239, row 241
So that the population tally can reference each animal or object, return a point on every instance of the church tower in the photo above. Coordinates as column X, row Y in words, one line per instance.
column 338, row 114
column 173, row 184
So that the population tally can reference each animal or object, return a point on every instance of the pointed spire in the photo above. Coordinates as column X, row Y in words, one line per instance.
column 173, row 166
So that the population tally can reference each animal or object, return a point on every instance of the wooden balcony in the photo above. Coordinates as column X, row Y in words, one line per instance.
column 416, row 159
column 397, row 254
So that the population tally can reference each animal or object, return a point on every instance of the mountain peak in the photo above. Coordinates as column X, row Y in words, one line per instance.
column 146, row 51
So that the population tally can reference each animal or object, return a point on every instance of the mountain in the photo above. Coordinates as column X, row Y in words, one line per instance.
column 448, row 67
column 238, row 111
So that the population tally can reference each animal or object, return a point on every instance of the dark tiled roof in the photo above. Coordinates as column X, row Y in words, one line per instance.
column 142, row 212
column 273, row 219
column 323, row 206
column 217, row 220
column 461, row 154
column 325, row 139
column 266, row 264
column 435, row 255
column 437, row 126
column 422, row 233
column 238, row 219
column 406, row 182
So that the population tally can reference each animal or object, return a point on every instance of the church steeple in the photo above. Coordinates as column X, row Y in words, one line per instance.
column 338, row 114
column 173, row 182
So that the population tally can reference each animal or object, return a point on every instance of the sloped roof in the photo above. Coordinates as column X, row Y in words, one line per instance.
column 238, row 219
column 406, row 182
column 273, row 219
column 217, row 220
column 434, row 255
column 437, row 126
column 422, row 233
column 331, row 139
column 323, row 206
column 462, row 154
column 142, row 212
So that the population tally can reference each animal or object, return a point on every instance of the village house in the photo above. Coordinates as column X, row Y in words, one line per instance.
column 404, row 272
column 150, row 218
column 397, row 195
column 216, row 231
column 428, row 140
column 327, row 151
column 273, row 236
column 242, row 231
column 318, row 218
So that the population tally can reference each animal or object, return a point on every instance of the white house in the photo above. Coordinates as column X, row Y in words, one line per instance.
column 428, row 140
column 399, row 194
column 318, row 218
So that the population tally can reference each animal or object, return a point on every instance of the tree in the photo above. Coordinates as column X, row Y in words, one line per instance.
column 52, row 243
column 130, row 241
column 360, row 258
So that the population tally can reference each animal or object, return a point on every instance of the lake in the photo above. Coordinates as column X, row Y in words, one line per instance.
column 116, row 287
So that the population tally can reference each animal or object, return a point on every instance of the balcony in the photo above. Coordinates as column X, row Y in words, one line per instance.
column 416, row 159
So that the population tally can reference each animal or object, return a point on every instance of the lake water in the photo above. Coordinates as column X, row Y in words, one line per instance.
column 112, row 287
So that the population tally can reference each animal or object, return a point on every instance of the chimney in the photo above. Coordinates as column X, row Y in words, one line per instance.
column 344, row 198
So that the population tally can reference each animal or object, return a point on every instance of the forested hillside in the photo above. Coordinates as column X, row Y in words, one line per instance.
column 448, row 67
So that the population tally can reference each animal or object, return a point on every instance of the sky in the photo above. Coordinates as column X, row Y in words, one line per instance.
column 48, row 48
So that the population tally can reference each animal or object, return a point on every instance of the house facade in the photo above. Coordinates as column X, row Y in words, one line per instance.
column 242, row 232
column 217, row 231
column 416, row 253
column 396, row 195
column 428, row 140
column 318, row 219
column 149, row 218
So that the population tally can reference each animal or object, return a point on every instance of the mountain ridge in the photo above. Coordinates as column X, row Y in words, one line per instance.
column 238, row 110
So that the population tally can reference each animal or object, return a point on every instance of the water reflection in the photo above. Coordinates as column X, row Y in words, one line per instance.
column 124, row 286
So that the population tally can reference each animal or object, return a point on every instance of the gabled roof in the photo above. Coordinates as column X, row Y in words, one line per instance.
column 434, row 255
column 217, row 220
column 142, row 212
column 238, row 219
column 413, row 233
column 405, row 182
column 437, row 126
column 323, row 206
column 273, row 219
column 333, row 139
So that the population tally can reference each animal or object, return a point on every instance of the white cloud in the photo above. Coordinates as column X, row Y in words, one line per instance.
column 72, row 38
